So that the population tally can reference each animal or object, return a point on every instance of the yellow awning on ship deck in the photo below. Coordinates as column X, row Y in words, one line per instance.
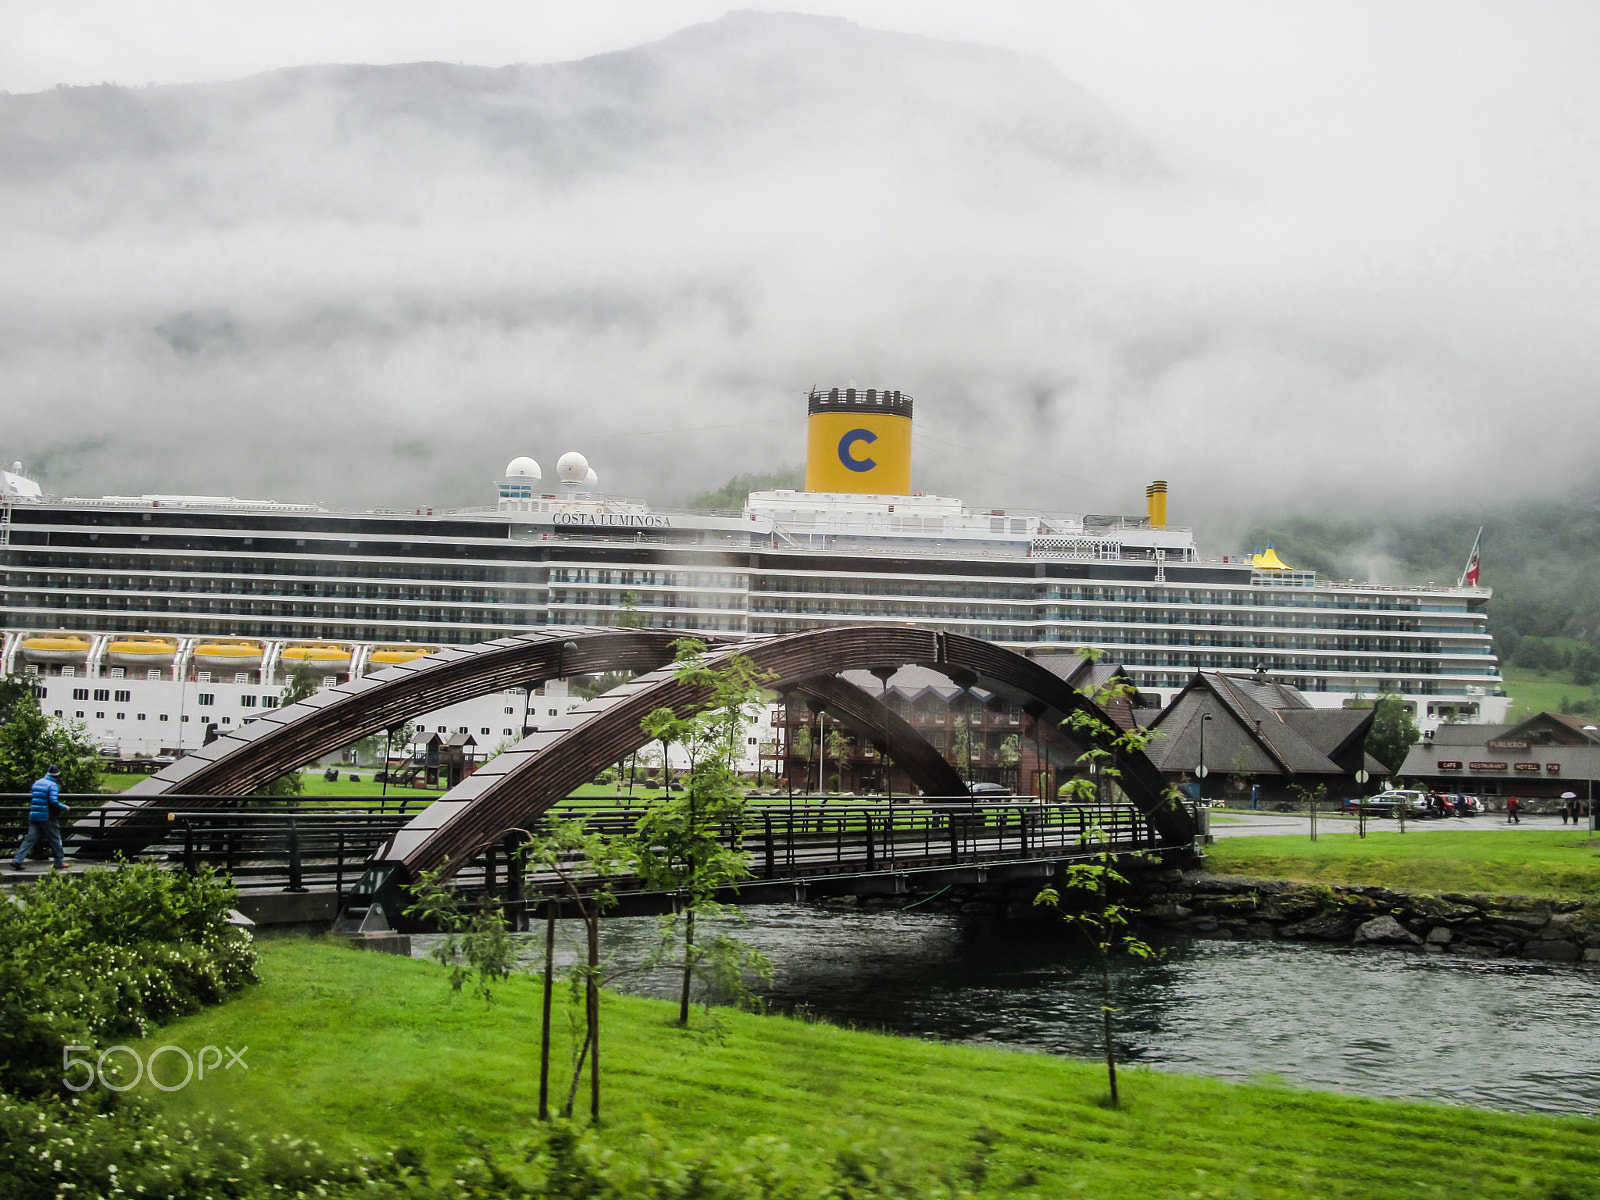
column 1268, row 560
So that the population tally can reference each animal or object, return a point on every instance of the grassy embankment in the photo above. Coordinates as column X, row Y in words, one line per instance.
column 1534, row 692
column 371, row 1050
column 1531, row 862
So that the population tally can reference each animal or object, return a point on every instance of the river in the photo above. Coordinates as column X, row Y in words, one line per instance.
column 1497, row 1034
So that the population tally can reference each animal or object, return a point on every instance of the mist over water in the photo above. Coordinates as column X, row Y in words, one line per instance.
column 1493, row 1034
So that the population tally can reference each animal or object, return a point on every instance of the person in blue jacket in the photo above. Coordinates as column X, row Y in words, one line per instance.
column 42, row 814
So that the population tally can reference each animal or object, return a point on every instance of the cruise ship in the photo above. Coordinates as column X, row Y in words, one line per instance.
column 210, row 603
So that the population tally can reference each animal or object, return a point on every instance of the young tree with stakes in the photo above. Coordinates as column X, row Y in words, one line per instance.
column 587, row 864
column 1313, row 796
column 1105, row 923
column 691, row 844
column 477, row 947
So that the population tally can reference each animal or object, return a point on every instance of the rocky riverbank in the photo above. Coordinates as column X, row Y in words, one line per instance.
column 1237, row 906
column 1241, row 907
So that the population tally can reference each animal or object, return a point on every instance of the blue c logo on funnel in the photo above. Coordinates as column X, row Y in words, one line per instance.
column 848, row 440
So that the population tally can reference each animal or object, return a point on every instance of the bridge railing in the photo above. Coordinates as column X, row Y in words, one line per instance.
column 923, row 832
column 807, row 837
column 269, row 844
column 303, row 844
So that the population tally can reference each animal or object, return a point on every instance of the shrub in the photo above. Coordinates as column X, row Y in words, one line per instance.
column 55, row 1148
column 568, row 1164
column 108, row 954
column 67, row 1148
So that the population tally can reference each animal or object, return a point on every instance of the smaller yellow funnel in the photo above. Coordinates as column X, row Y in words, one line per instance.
column 1155, row 498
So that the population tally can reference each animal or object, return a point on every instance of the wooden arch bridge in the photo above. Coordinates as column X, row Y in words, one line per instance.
column 515, row 788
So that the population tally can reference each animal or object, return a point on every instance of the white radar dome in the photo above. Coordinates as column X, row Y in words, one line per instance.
column 573, row 467
column 523, row 467
column 591, row 480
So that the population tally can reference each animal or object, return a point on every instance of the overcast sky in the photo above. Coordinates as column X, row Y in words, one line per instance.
column 1420, row 176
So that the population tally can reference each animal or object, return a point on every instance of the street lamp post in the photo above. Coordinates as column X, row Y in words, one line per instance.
column 1588, row 803
column 1200, row 771
column 822, row 751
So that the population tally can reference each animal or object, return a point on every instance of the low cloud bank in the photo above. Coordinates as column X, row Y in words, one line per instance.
column 376, row 285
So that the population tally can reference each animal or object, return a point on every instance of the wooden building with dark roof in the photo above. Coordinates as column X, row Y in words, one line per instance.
column 1252, row 732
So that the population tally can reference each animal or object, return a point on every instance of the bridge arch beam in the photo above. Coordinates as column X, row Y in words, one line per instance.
column 517, row 786
column 282, row 739
column 864, row 713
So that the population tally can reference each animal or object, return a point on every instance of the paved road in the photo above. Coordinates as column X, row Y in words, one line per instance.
column 1266, row 824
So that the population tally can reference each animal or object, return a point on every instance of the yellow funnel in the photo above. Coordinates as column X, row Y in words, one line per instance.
column 859, row 440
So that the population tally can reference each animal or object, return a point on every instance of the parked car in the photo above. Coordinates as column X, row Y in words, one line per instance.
column 1387, row 804
column 979, row 790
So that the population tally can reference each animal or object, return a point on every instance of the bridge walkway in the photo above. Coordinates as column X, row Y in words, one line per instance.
column 815, row 842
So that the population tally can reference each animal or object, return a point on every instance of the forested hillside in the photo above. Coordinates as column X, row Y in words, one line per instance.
column 730, row 496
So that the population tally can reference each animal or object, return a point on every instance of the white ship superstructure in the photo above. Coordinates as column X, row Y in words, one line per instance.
column 219, row 597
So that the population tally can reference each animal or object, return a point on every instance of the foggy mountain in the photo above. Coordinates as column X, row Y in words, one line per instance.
column 376, row 284
column 751, row 91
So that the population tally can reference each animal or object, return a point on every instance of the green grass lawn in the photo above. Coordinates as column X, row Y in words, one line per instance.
column 111, row 784
column 373, row 1050
column 1532, row 862
column 312, row 781
column 315, row 785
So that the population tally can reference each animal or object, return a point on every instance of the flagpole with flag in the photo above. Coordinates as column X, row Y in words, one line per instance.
column 1469, row 577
